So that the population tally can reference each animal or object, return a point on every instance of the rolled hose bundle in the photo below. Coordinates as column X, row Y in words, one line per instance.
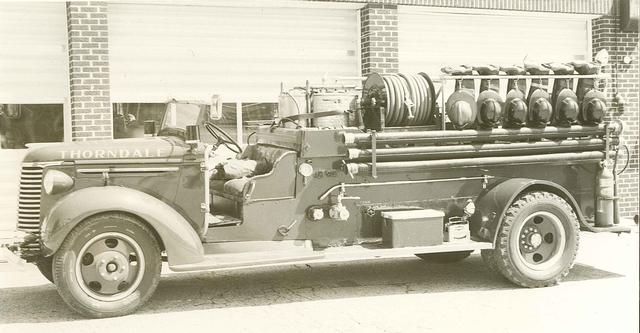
column 406, row 99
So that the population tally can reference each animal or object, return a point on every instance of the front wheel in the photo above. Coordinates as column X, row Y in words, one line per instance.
column 109, row 265
column 537, row 241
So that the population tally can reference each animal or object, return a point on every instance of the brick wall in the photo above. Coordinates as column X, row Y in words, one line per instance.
column 91, row 116
column 624, row 81
column 379, row 38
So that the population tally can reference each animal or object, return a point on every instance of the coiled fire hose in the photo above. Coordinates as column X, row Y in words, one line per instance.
column 406, row 99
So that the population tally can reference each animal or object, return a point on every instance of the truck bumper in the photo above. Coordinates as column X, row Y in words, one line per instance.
column 12, row 243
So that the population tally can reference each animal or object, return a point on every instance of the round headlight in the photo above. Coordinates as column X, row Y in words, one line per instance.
column 56, row 181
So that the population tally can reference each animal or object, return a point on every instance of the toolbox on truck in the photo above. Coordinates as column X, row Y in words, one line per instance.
column 422, row 227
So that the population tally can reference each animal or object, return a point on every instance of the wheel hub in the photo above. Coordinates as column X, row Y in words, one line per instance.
column 535, row 239
column 531, row 239
column 112, row 266
column 541, row 240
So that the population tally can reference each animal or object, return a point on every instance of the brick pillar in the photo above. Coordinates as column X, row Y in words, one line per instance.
column 626, row 82
column 379, row 38
column 91, row 116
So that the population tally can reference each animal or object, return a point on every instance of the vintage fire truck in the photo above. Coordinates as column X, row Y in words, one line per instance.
column 392, row 174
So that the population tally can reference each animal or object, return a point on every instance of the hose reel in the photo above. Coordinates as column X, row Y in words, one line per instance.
column 397, row 100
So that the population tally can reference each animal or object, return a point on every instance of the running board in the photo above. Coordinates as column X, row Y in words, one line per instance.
column 376, row 251
column 246, row 254
column 247, row 259
column 616, row 228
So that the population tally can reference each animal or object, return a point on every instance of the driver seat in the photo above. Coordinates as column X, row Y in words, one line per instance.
column 234, row 186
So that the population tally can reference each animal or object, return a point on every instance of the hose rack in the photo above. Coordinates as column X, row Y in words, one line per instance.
column 453, row 148
column 409, row 100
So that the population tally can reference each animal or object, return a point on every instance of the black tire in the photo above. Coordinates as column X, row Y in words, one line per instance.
column 45, row 266
column 444, row 257
column 537, row 241
column 109, row 265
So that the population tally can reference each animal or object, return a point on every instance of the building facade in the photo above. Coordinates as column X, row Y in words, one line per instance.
column 92, row 70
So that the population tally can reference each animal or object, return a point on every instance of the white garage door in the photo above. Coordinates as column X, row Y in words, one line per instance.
column 190, row 52
column 33, row 53
column 431, row 40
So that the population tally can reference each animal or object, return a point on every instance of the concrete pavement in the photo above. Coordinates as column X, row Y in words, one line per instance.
column 401, row 295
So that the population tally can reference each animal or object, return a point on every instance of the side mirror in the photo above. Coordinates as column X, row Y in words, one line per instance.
column 215, row 110
column 192, row 134
column 149, row 127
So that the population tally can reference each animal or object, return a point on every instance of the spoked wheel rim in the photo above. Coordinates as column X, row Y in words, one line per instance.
column 110, row 266
column 541, row 241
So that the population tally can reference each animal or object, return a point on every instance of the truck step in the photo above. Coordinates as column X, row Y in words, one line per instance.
column 247, row 259
column 373, row 251
column 257, row 246
column 617, row 228
column 225, row 255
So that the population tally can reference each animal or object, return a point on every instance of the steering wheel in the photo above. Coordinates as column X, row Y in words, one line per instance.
column 223, row 137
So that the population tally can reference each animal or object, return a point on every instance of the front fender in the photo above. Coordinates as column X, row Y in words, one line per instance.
column 181, row 242
column 492, row 205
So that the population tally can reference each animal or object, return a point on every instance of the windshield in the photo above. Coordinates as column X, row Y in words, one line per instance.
column 179, row 115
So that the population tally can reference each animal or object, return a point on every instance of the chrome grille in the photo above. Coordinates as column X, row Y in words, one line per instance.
column 29, row 201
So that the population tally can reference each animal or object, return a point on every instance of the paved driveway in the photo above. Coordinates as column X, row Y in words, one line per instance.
column 402, row 295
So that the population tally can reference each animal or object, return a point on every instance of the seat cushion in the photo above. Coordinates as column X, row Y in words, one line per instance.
column 235, row 186
column 217, row 185
column 239, row 168
column 265, row 157
column 232, row 169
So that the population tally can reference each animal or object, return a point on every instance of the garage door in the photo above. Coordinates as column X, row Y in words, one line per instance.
column 431, row 40
column 33, row 53
column 190, row 52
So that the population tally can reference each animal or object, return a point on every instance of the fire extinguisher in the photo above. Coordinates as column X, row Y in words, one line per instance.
column 605, row 196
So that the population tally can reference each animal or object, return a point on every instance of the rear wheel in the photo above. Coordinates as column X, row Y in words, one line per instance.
column 537, row 241
column 109, row 265
column 444, row 258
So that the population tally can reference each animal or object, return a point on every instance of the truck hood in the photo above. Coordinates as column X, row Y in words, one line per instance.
column 155, row 148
